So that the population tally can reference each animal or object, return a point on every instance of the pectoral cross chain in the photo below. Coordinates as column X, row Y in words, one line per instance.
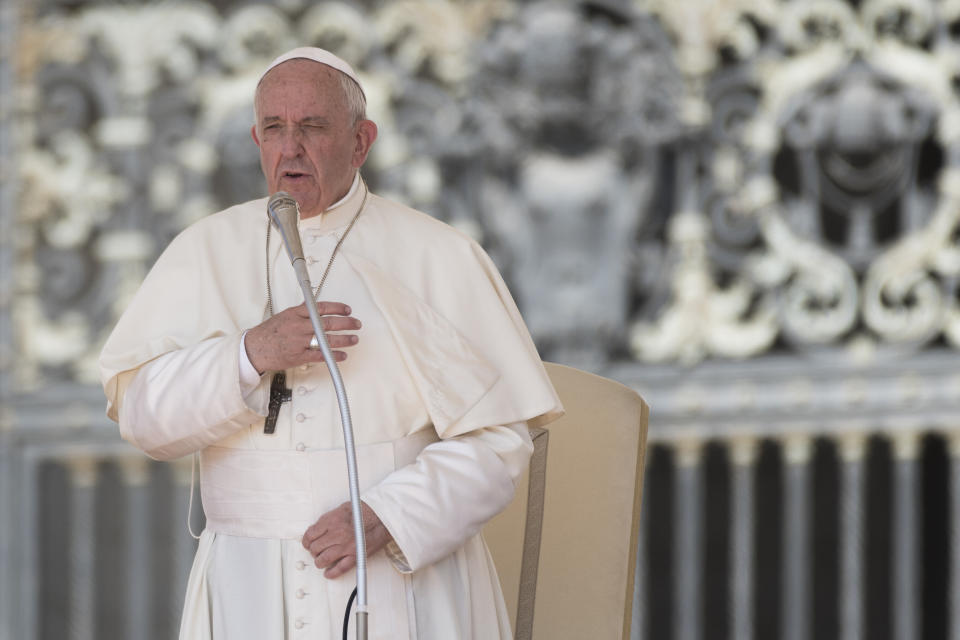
column 278, row 386
column 279, row 393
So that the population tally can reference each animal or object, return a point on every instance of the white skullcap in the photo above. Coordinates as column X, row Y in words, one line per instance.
column 317, row 55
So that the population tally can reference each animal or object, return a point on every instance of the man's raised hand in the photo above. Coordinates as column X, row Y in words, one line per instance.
column 283, row 340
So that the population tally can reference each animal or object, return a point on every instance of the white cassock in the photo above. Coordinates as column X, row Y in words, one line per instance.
column 442, row 386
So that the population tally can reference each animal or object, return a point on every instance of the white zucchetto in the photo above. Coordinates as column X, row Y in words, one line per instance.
column 317, row 55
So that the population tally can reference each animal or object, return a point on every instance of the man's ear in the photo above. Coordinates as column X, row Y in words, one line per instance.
column 253, row 134
column 365, row 136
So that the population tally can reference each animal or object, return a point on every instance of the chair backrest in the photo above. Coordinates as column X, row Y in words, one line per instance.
column 565, row 547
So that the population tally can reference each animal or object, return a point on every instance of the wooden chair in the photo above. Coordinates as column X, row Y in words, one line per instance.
column 565, row 548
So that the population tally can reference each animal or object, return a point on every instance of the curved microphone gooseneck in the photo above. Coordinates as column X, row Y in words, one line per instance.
column 285, row 213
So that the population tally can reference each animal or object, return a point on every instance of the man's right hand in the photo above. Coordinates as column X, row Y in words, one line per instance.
column 283, row 341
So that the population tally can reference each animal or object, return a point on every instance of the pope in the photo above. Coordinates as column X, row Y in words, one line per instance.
column 213, row 357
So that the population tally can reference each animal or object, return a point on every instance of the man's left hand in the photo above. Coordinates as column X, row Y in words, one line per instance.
column 330, row 539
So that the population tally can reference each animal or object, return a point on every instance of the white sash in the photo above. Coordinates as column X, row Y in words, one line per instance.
column 278, row 494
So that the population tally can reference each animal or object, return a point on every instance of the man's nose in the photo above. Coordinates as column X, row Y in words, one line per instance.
column 291, row 141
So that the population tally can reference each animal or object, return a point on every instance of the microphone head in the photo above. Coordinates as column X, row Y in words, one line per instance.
column 282, row 207
column 285, row 214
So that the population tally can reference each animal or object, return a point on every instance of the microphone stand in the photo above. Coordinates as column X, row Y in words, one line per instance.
column 351, row 452
column 303, row 278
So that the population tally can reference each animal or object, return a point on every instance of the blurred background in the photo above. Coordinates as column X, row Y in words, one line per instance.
column 747, row 210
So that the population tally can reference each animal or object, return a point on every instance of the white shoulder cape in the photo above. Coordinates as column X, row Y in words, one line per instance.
column 448, row 309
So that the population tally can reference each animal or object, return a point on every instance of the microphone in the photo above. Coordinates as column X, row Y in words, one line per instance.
column 284, row 212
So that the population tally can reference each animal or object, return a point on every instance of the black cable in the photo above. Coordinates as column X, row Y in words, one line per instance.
column 346, row 614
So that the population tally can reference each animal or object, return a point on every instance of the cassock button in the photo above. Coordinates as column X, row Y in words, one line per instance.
column 300, row 594
column 302, row 390
column 312, row 239
column 301, row 417
column 304, row 367
column 301, row 446
column 301, row 565
column 298, row 624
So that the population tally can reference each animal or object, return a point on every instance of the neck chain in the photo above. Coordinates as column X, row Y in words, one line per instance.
column 336, row 248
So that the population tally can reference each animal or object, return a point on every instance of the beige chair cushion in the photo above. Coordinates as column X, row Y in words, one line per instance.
column 570, row 575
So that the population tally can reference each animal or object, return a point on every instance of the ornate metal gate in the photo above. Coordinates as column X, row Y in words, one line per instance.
column 746, row 209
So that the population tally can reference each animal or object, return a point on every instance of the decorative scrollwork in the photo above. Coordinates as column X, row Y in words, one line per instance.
column 833, row 196
column 712, row 178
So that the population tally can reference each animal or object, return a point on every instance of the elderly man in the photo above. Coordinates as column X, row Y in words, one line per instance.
column 213, row 356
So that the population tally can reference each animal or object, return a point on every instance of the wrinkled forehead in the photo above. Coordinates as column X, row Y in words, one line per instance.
column 299, row 89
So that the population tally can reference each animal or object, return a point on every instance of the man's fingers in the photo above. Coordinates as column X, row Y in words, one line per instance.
column 330, row 556
column 315, row 355
column 334, row 341
column 340, row 323
column 330, row 540
column 313, row 532
column 324, row 552
column 331, row 327
column 335, row 522
column 340, row 567
column 333, row 309
column 340, row 341
column 325, row 309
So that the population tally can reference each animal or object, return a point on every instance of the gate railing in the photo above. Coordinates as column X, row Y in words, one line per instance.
column 94, row 535
column 801, row 501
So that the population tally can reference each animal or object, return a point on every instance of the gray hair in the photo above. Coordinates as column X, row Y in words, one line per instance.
column 352, row 93
column 356, row 100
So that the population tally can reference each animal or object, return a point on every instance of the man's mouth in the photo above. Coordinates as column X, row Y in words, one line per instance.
column 294, row 175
